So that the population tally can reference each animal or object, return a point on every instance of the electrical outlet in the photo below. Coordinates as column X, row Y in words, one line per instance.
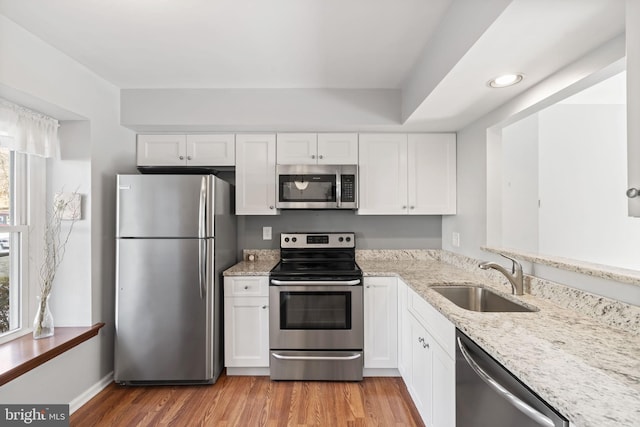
column 455, row 239
column 266, row 233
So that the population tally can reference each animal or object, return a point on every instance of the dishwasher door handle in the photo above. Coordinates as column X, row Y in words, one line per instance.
column 525, row 408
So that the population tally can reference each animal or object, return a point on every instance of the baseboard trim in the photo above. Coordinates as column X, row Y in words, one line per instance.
column 381, row 372
column 90, row 393
column 260, row 372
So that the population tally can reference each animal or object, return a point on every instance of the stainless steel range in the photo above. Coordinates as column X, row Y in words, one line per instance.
column 316, row 329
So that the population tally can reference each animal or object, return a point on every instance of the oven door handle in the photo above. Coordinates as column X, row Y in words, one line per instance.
column 352, row 357
column 316, row 282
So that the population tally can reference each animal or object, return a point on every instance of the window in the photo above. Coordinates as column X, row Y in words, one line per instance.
column 27, row 139
column 12, row 229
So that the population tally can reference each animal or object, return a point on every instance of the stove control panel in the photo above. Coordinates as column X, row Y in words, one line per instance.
column 317, row 240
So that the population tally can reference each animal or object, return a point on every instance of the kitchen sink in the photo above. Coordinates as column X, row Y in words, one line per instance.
column 477, row 298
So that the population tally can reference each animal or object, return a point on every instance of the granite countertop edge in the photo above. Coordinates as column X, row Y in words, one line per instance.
column 588, row 371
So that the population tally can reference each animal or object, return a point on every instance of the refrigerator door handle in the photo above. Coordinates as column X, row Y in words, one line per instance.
column 202, row 247
column 202, row 267
column 202, row 210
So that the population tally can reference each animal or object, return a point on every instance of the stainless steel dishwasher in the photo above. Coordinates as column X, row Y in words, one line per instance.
column 489, row 395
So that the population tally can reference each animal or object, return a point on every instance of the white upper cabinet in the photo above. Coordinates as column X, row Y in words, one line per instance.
column 312, row 148
column 211, row 150
column 256, row 174
column 162, row 150
column 297, row 148
column 382, row 173
column 404, row 174
column 338, row 148
column 432, row 174
column 186, row 150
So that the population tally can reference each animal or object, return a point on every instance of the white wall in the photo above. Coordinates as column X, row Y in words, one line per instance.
column 520, row 185
column 259, row 109
column 471, row 221
column 33, row 70
column 583, row 213
column 572, row 157
column 72, row 172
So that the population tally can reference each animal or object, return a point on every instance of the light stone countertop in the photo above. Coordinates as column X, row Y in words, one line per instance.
column 586, row 369
column 252, row 268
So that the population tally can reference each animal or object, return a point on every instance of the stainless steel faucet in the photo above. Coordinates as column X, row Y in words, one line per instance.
column 516, row 278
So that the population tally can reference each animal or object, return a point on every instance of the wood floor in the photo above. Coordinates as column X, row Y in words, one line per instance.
column 254, row 401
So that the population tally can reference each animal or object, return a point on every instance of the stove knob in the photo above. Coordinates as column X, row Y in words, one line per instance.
column 293, row 239
column 340, row 239
column 348, row 239
column 286, row 239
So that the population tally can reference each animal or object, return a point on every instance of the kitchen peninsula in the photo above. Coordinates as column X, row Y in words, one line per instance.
column 585, row 368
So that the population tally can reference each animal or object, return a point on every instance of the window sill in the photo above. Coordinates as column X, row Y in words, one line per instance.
column 24, row 354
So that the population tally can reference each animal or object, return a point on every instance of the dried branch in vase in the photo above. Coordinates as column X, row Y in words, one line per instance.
column 55, row 244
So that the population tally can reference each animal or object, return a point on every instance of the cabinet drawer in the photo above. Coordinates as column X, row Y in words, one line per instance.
column 435, row 323
column 248, row 286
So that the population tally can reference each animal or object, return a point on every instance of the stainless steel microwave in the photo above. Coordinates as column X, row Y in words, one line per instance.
column 317, row 187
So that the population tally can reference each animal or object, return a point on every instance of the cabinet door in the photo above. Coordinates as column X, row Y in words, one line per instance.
column 382, row 167
column 211, row 150
column 246, row 331
column 421, row 367
column 380, row 322
column 161, row 150
column 432, row 174
column 256, row 174
column 633, row 104
column 297, row 149
column 338, row 148
column 404, row 334
column 444, row 386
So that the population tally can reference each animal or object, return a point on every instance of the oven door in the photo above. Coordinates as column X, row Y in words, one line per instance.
column 308, row 315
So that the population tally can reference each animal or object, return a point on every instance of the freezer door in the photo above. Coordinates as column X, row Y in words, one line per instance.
column 164, row 321
column 152, row 206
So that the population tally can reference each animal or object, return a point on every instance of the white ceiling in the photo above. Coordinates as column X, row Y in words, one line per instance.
column 344, row 44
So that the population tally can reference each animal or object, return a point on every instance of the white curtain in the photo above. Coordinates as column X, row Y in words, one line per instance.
column 27, row 131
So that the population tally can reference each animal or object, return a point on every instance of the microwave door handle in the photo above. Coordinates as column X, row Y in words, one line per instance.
column 338, row 189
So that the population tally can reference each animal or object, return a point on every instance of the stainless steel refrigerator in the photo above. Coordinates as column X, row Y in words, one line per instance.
column 175, row 234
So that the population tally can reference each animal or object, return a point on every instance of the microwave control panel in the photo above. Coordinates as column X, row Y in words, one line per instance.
column 347, row 188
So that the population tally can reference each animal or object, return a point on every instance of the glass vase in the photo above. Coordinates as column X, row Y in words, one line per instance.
column 43, row 323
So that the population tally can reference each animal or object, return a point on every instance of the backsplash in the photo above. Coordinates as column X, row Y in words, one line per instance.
column 396, row 254
column 261, row 254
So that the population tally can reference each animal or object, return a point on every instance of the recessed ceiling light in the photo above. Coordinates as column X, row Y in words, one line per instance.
column 506, row 80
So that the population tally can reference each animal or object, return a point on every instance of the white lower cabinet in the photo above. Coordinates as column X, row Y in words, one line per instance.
column 246, row 321
column 444, row 388
column 427, row 362
column 404, row 334
column 380, row 322
column 421, row 370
